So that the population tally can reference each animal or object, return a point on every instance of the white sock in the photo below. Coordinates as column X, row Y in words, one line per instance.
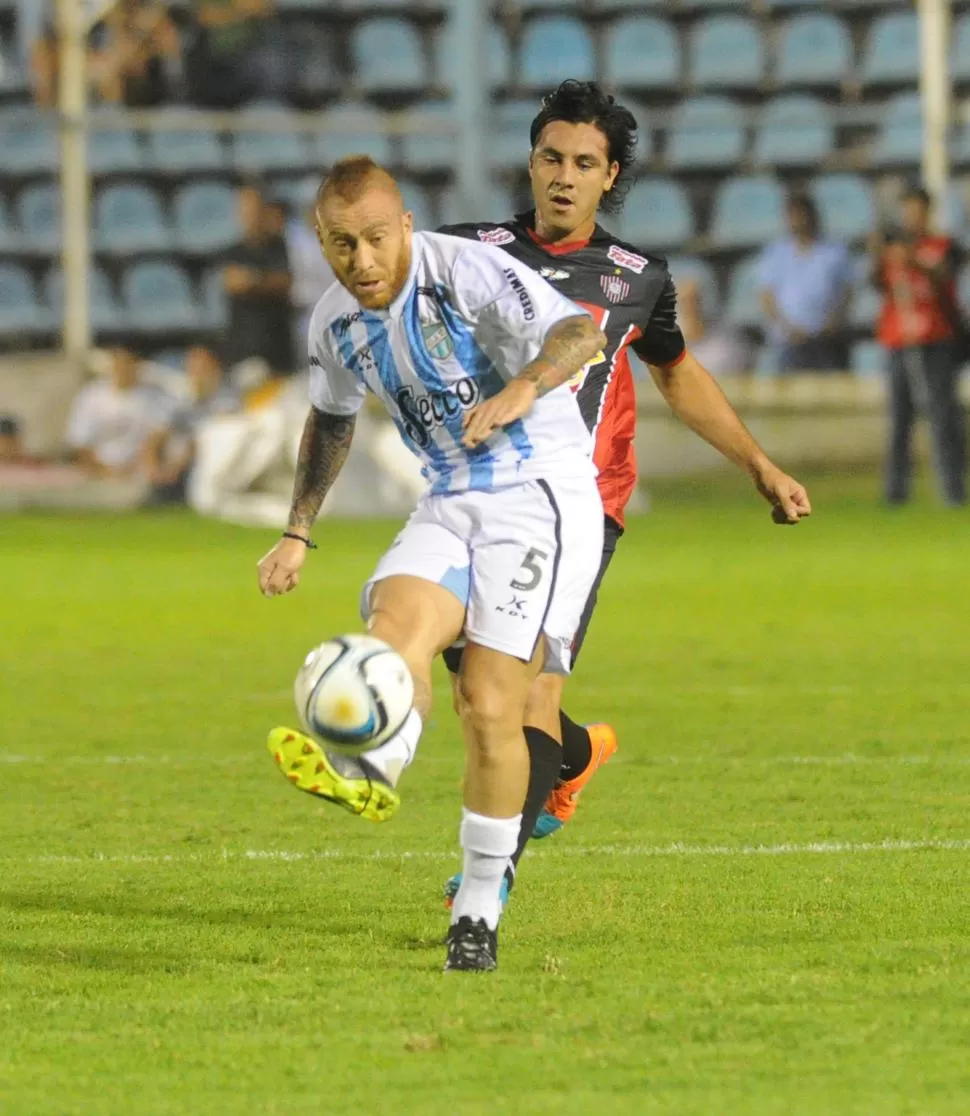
column 489, row 844
column 394, row 755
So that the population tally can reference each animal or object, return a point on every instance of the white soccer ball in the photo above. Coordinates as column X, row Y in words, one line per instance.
column 353, row 693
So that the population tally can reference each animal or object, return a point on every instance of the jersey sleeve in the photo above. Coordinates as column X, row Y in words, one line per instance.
column 661, row 342
column 333, row 386
column 506, row 296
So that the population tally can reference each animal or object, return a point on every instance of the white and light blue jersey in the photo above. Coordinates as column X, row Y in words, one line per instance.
column 467, row 321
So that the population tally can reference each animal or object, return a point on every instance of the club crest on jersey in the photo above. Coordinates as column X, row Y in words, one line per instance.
column 495, row 236
column 630, row 260
column 437, row 339
column 615, row 288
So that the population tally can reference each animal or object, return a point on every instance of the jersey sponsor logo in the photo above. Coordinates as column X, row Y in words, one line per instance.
column 528, row 310
column 553, row 274
column 630, row 260
column 437, row 339
column 424, row 413
column 345, row 321
column 496, row 236
column 615, row 288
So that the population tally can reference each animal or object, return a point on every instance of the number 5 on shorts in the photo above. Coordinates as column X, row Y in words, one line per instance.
column 530, row 571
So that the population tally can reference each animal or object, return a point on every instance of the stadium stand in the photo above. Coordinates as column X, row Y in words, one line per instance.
column 745, row 101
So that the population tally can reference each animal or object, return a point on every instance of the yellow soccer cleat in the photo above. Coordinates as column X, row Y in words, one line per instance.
column 349, row 782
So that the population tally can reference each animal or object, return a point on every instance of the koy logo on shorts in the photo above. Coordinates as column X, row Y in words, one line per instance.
column 424, row 413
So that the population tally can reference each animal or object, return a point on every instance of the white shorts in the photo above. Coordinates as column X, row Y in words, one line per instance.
column 522, row 560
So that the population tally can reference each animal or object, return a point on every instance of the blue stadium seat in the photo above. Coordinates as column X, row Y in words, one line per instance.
column 813, row 49
column 707, row 132
column 113, row 150
column 20, row 312
column 743, row 305
column 28, row 143
column 554, row 47
column 107, row 315
column 741, row 5
column 796, row 130
column 352, row 130
column 960, row 53
column 866, row 304
column 297, row 194
column 845, row 205
column 500, row 204
column 12, row 78
column 129, row 218
column 215, row 301
column 188, row 151
column 868, row 358
column 39, row 210
column 657, row 214
column 206, row 217
column 692, row 269
column 257, row 151
column 891, row 55
column 386, row 56
column 508, row 138
column 747, row 211
column 900, row 140
column 158, row 297
column 641, row 52
column 727, row 51
column 448, row 60
column 316, row 71
column 430, row 151
column 416, row 199
column 9, row 236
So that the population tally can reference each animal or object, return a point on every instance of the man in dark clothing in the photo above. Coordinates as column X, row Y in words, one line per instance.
column 920, row 327
column 257, row 280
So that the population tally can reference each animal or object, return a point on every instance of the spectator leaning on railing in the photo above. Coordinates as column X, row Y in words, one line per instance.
column 805, row 282
column 921, row 328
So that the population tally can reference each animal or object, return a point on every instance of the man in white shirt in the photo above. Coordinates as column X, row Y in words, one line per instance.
column 470, row 351
column 113, row 417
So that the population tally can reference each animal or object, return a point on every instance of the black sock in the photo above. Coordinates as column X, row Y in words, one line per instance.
column 545, row 759
column 577, row 748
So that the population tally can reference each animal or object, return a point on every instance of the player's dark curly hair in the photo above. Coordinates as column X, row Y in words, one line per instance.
column 585, row 102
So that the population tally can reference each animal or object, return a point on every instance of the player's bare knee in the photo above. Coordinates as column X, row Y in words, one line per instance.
column 485, row 709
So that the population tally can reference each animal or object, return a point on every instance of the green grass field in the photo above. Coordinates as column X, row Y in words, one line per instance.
column 762, row 907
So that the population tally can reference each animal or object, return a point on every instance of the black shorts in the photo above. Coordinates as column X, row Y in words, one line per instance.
column 611, row 535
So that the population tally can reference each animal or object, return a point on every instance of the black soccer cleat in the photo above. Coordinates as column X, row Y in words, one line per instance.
column 472, row 947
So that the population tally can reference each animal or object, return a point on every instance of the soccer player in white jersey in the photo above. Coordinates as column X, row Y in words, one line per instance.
column 470, row 352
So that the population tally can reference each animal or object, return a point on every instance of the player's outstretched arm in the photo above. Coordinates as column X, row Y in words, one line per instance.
column 569, row 344
column 695, row 397
column 323, row 450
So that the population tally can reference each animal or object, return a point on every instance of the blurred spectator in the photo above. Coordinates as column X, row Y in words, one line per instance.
column 44, row 66
column 238, row 53
column 805, row 283
column 136, row 55
column 170, row 450
column 257, row 280
column 11, row 443
column 113, row 417
column 312, row 274
column 921, row 328
column 721, row 350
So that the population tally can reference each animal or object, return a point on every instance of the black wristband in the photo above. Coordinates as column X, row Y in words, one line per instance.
column 308, row 543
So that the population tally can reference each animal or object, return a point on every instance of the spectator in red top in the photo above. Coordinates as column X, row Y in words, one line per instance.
column 921, row 329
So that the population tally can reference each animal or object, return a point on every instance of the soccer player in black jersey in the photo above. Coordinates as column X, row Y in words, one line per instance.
column 583, row 146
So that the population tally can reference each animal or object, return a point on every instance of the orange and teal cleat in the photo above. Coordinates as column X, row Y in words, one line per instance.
column 562, row 802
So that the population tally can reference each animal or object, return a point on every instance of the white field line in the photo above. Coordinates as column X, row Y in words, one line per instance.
column 847, row 759
column 676, row 850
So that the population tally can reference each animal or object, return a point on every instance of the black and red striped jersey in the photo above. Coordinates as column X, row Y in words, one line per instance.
column 632, row 298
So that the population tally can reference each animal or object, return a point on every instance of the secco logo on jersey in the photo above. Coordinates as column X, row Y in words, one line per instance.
column 424, row 413
column 528, row 310
column 630, row 260
column 495, row 236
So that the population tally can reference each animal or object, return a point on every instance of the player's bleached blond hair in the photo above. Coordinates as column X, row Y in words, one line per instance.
column 350, row 177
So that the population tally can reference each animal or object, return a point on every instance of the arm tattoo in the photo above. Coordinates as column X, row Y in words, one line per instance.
column 569, row 345
column 323, row 450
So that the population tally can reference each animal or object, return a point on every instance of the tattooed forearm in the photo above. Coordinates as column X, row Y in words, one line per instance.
column 323, row 450
column 569, row 345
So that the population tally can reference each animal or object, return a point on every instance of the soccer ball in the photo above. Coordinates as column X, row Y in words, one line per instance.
column 353, row 692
